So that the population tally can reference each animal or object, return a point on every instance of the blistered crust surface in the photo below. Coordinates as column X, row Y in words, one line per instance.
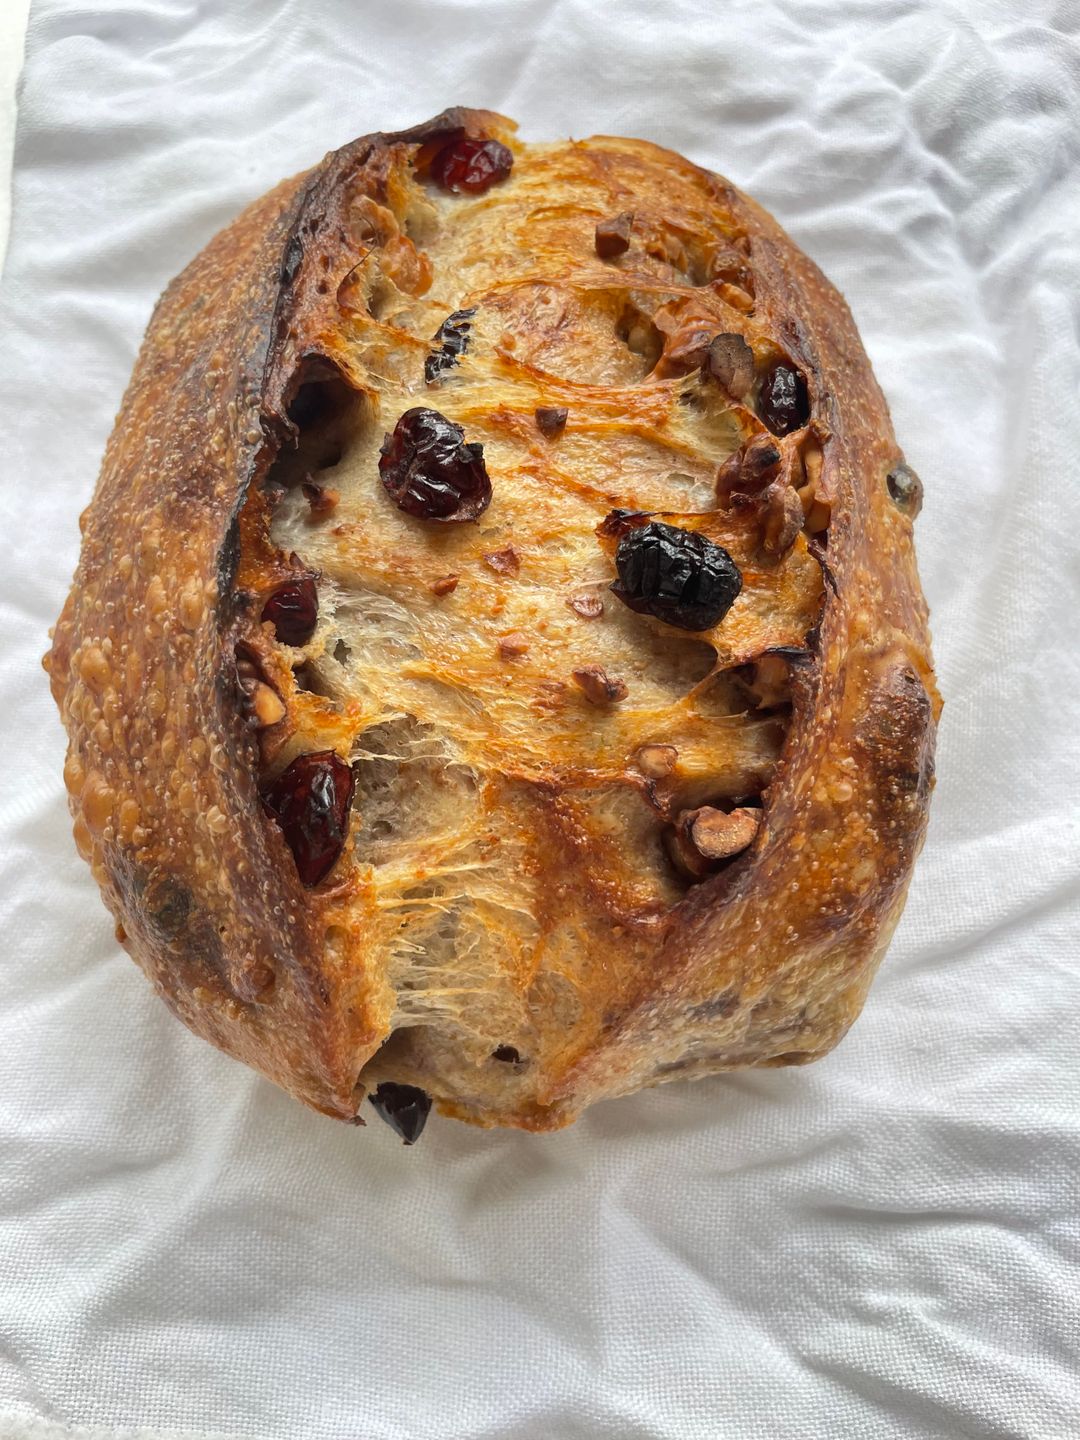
column 505, row 885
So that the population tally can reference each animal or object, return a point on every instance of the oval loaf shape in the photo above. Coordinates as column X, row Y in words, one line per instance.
column 572, row 733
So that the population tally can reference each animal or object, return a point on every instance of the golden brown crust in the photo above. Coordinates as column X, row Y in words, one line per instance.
column 768, row 959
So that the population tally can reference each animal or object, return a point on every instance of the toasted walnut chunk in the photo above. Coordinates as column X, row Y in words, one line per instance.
column 598, row 687
column 700, row 839
column 613, row 236
column 656, row 761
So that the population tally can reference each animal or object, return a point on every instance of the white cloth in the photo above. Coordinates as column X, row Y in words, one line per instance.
column 882, row 1245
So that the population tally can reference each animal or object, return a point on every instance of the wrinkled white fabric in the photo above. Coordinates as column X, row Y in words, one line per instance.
column 882, row 1245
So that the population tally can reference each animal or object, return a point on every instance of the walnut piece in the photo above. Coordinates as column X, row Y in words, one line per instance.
column 587, row 604
column 730, row 362
column 613, row 236
column 656, row 761
column 551, row 419
column 718, row 834
column 598, row 687
column 748, row 471
column 782, row 516
column 513, row 645
column 322, row 500
column 701, row 838
column 504, row 562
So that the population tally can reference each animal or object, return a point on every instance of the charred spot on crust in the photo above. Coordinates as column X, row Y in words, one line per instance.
column 169, row 905
column 719, row 1007
column 290, row 263
column 228, row 562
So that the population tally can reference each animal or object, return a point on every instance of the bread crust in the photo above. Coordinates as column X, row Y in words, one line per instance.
column 767, row 961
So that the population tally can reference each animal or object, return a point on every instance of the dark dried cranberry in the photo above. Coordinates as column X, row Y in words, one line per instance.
column 472, row 166
column 679, row 576
column 784, row 404
column 405, row 1109
column 905, row 488
column 452, row 338
column 506, row 1053
column 310, row 800
column 294, row 609
column 430, row 472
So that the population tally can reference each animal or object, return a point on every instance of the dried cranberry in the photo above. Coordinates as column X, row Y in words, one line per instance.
column 405, row 1109
column 310, row 800
column 452, row 338
column 784, row 404
column 507, row 1054
column 430, row 472
column 679, row 576
column 472, row 166
column 294, row 609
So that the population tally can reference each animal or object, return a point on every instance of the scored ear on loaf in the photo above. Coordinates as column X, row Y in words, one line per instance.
column 496, row 672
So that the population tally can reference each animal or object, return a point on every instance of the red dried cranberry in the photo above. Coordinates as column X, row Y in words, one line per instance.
column 472, row 166
column 405, row 1108
column 452, row 338
column 430, row 472
column 784, row 404
column 294, row 609
column 310, row 800
column 680, row 576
